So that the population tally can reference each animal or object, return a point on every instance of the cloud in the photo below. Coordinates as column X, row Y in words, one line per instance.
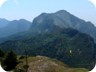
column 2, row 2
column 93, row 2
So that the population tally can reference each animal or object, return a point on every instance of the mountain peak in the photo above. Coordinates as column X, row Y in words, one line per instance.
column 3, row 22
column 44, row 13
column 3, row 19
column 62, row 12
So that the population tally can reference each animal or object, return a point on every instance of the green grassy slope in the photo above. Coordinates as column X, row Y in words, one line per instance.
column 45, row 64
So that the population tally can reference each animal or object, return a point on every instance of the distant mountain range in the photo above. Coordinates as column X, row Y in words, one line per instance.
column 61, row 19
column 13, row 27
column 3, row 23
column 59, row 35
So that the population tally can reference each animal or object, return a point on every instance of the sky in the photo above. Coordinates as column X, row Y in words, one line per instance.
column 29, row 9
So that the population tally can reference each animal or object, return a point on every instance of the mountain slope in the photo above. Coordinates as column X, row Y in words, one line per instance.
column 68, row 45
column 63, row 19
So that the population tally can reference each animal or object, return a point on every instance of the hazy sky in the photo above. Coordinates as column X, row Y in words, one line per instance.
column 29, row 9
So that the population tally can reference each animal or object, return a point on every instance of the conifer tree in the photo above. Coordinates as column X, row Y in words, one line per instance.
column 10, row 61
